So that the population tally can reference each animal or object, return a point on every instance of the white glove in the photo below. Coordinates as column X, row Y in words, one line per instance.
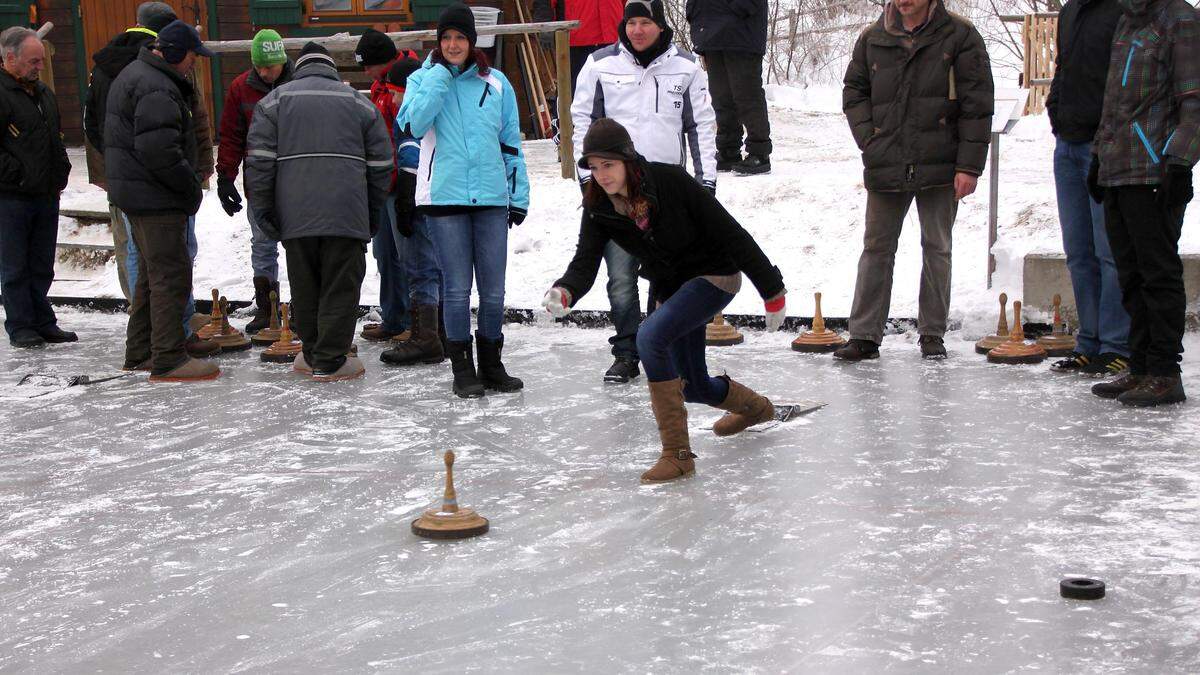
column 556, row 302
column 776, row 313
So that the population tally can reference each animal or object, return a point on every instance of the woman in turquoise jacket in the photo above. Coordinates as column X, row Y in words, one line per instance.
column 472, row 185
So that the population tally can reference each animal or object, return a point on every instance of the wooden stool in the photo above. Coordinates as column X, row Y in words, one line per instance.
column 269, row 336
column 990, row 342
column 1016, row 350
column 451, row 521
column 820, row 339
column 1060, row 342
column 720, row 334
column 287, row 347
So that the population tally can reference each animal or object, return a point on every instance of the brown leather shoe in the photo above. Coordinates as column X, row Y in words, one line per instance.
column 1115, row 388
column 191, row 370
column 1155, row 390
column 199, row 349
column 746, row 408
column 676, row 460
column 374, row 332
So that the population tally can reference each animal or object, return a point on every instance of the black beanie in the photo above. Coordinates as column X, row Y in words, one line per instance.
column 397, row 76
column 155, row 15
column 649, row 9
column 314, row 53
column 608, row 139
column 459, row 17
column 374, row 49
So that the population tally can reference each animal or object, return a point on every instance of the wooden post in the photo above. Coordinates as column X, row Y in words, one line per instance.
column 47, row 76
column 993, row 204
column 566, row 129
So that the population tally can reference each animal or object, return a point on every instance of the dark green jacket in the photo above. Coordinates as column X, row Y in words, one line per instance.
column 33, row 160
column 919, row 105
column 1151, row 112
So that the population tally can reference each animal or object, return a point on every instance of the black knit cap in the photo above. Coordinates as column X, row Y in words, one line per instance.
column 459, row 17
column 374, row 49
column 649, row 9
column 314, row 53
column 608, row 139
column 155, row 15
column 398, row 74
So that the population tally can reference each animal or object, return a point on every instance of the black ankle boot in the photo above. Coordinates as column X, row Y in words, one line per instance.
column 262, row 305
column 491, row 369
column 462, row 363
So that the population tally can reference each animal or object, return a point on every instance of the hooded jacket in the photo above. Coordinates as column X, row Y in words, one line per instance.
column 244, row 93
column 665, row 106
column 919, row 105
column 1151, row 112
column 151, row 156
column 1085, row 32
column 33, row 160
column 728, row 25
column 318, row 159
column 110, row 61
column 690, row 235
column 470, row 137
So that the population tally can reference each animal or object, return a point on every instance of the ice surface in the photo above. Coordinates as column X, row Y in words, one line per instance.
column 921, row 522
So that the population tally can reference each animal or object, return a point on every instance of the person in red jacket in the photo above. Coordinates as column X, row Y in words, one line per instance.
column 271, row 68
column 598, row 21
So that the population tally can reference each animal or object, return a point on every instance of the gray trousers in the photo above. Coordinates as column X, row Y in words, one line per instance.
column 121, row 247
column 936, row 209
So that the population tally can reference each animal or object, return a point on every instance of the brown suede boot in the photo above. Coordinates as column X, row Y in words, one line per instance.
column 746, row 408
column 677, row 460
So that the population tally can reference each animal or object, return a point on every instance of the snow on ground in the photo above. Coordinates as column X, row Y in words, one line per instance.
column 807, row 215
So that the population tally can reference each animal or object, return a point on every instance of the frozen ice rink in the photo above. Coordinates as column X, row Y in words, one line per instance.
column 921, row 522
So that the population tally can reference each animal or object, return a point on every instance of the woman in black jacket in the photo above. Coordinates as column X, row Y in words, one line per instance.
column 693, row 252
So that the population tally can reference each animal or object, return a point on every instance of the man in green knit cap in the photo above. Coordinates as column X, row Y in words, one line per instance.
column 271, row 68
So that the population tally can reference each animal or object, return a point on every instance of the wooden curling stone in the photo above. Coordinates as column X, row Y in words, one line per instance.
column 285, row 349
column 230, row 338
column 217, row 323
column 1060, row 342
column 451, row 521
column 820, row 339
column 990, row 342
column 270, row 335
column 720, row 334
column 1016, row 350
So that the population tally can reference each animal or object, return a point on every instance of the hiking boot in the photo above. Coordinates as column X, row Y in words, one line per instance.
column 462, row 364
column 1075, row 363
column 491, row 370
column 932, row 347
column 746, row 408
column 1106, row 365
column 56, row 335
column 726, row 162
column 262, row 304
column 375, row 332
column 676, row 460
column 199, row 349
column 191, row 370
column 145, row 364
column 26, row 338
column 857, row 350
column 351, row 368
column 622, row 370
column 423, row 346
column 1155, row 390
column 752, row 166
column 1119, row 386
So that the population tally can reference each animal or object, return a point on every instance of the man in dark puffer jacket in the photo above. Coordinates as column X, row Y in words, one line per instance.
column 918, row 96
column 152, row 163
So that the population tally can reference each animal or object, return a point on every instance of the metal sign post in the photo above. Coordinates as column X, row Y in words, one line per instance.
column 1009, row 105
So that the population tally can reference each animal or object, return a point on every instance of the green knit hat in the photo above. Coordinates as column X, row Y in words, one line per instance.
column 267, row 49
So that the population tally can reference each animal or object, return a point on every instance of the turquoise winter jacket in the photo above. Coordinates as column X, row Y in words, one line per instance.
column 470, row 138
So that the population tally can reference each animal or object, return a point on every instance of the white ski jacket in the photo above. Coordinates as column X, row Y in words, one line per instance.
column 664, row 107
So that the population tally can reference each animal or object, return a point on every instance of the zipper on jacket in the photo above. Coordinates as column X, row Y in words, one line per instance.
column 1129, row 61
column 910, row 172
column 483, row 98
column 512, row 179
column 656, row 95
column 1168, row 143
column 432, row 155
column 1146, row 142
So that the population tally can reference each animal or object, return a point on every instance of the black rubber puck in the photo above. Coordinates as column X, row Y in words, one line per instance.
column 1078, row 588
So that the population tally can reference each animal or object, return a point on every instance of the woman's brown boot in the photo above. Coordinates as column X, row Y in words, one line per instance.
column 677, row 460
column 746, row 408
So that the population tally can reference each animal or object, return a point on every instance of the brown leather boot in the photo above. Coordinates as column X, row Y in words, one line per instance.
column 677, row 460
column 746, row 408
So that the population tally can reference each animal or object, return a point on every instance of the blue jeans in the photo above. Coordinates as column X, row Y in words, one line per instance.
column 1103, row 322
column 421, row 262
column 671, row 341
column 387, row 247
column 475, row 245
column 623, row 299
column 131, row 267
column 264, row 251
column 28, row 236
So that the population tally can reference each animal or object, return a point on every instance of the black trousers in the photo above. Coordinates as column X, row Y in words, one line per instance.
column 1145, row 244
column 735, row 80
column 326, row 275
column 28, row 235
column 164, row 282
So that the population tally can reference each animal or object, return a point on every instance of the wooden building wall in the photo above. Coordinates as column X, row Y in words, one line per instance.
column 67, row 86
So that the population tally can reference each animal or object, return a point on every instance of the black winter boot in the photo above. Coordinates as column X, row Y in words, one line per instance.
column 423, row 345
column 857, row 350
column 462, row 363
column 262, row 304
column 491, row 370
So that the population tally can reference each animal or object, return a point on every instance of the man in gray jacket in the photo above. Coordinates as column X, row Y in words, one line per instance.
column 318, row 164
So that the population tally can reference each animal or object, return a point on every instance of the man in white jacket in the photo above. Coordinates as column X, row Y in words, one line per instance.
column 660, row 94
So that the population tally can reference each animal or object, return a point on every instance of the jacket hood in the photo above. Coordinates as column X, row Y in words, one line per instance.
column 656, row 50
column 893, row 25
column 121, row 51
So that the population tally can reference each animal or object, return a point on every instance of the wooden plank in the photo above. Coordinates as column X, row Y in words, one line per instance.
column 566, row 128
column 408, row 39
column 86, row 214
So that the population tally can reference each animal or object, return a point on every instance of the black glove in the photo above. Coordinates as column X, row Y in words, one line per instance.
column 1176, row 187
column 516, row 216
column 231, row 201
column 404, row 215
column 1095, row 189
